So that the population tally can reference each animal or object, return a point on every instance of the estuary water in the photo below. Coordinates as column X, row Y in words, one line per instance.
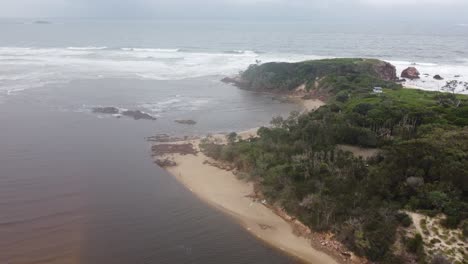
column 79, row 187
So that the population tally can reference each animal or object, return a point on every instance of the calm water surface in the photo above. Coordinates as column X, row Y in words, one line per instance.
column 76, row 187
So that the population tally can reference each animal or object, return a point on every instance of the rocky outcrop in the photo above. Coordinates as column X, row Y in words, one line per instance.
column 410, row 73
column 137, row 115
column 236, row 80
column 385, row 71
column 165, row 138
column 186, row 122
column 165, row 163
column 106, row 110
column 438, row 77
column 167, row 149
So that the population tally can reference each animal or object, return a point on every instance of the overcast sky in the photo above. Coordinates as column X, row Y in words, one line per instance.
column 455, row 10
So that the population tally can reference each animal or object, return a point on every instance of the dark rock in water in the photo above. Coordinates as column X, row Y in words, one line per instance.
column 165, row 149
column 438, row 77
column 410, row 73
column 185, row 122
column 165, row 138
column 137, row 115
column 165, row 163
column 457, row 76
column 106, row 110
column 237, row 81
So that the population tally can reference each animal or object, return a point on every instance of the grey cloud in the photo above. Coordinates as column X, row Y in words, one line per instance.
column 307, row 9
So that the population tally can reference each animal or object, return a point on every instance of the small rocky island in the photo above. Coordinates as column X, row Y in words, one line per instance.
column 135, row 114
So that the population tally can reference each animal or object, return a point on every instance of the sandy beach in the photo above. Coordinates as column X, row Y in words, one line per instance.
column 223, row 190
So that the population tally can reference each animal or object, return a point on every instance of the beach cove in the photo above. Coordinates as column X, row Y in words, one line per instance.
column 222, row 189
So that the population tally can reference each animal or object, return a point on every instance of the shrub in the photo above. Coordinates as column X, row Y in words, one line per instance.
column 404, row 219
column 439, row 259
column 415, row 245
column 465, row 228
column 452, row 221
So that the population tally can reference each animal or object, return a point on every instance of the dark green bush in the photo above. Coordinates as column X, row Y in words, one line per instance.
column 404, row 219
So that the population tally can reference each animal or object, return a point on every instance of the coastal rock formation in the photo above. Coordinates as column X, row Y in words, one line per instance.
column 438, row 77
column 106, row 110
column 385, row 71
column 166, row 149
column 165, row 163
column 312, row 75
column 165, row 138
column 186, row 122
column 236, row 80
column 137, row 115
column 410, row 73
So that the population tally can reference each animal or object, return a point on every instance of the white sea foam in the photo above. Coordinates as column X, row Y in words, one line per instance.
column 150, row 50
column 28, row 67
column 87, row 48
column 429, row 70
column 176, row 103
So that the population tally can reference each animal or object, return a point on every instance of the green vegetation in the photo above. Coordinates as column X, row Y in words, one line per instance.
column 415, row 245
column 422, row 165
column 334, row 74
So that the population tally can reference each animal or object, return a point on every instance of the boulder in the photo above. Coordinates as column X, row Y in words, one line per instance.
column 438, row 77
column 385, row 71
column 106, row 110
column 165, row 163
column 185, row 122
column 137, row 115
column 410, row 73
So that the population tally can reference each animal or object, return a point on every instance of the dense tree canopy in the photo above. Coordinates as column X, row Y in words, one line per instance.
column 422, row 163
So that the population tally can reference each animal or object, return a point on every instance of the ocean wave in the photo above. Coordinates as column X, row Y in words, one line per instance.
column 240, row 52
column 150, row 50
column 87, row 48
column 175, row 103
column 28, row 67
column 412, row 63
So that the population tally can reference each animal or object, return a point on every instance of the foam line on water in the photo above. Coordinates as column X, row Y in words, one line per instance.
column 29, row 66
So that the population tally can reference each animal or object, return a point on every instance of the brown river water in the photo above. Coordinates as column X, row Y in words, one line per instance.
column 79, row 188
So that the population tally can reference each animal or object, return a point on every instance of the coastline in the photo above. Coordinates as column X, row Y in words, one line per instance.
column 221, row 189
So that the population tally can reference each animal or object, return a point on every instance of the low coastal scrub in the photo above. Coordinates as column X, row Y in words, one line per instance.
column 334, row 74
column 421, row 166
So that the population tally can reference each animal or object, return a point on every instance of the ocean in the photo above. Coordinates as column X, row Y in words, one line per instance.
column 80, row 187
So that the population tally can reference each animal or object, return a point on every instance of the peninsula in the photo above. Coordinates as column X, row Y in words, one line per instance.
column 377, row 173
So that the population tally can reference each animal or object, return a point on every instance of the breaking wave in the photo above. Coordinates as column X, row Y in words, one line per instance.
column 23, row 68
